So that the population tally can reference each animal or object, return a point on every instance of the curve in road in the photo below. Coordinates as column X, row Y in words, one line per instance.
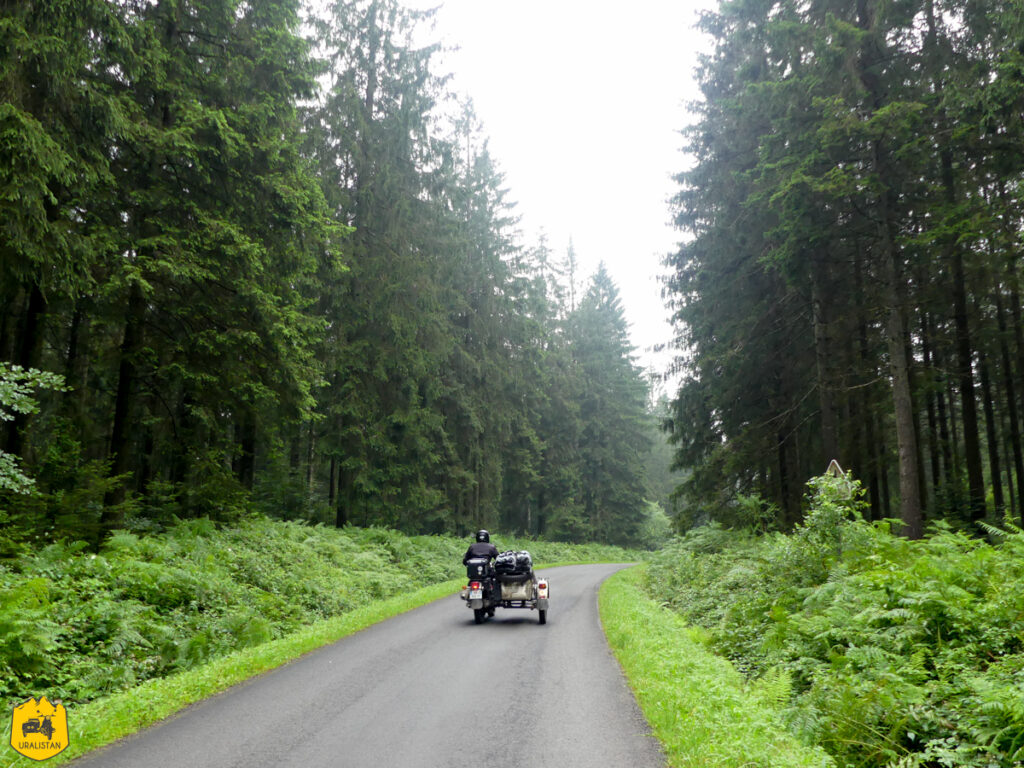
column 427, row 689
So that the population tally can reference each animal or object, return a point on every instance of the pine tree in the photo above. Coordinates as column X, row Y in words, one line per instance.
column 614, row 438
column 851, row 162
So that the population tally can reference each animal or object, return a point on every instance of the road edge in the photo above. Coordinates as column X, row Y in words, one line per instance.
column 696, row 703
column 104, row 721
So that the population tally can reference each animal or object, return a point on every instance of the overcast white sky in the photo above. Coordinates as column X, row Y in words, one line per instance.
column 583, row 103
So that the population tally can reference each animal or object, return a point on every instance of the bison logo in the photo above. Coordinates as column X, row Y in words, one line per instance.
column 39, row 729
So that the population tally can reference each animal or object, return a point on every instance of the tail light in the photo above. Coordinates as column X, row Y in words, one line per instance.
column 475, row 585
column 542, row 589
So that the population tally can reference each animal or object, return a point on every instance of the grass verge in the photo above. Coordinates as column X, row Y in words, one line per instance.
column 697, row 704
column 105, row 720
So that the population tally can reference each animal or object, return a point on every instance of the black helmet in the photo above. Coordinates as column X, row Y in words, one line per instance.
column 483, row 536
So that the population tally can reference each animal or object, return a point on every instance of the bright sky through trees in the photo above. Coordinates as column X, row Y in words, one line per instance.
column 583, row 103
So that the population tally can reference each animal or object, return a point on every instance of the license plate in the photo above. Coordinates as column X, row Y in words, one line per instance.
column 476, row 594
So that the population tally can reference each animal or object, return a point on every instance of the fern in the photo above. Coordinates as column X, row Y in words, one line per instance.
column 899, row 652
column 774, row 687
column 81, row 624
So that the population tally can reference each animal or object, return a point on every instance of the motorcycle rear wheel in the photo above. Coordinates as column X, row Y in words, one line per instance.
column 478, row 615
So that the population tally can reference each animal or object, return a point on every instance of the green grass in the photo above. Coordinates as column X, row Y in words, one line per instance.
column 82, row 625
column 901, row 652
column 297, row 588
column 697, row 704
column 105, row 720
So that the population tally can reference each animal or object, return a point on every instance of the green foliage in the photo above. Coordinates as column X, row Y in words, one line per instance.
column 279, row 278
column 16, row 388
column 614, row 437
column 697, row 704
column 656, row 528
column 848, row 257
column 110, row 718
column 81, row 624
column 897, row 652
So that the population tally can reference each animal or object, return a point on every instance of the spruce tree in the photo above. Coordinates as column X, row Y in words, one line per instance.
column 614, row 439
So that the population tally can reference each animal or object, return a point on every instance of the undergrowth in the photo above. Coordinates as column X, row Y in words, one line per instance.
column 697, row 704
column 896, row 652
column 79, row 625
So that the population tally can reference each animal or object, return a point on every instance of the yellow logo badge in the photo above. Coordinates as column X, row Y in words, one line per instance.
column 39, row 729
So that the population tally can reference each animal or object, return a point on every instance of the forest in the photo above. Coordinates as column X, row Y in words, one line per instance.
column 256, row 257
column 271, row 340
column 851, row 285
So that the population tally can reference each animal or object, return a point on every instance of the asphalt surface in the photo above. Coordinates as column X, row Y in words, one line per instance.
column 427, row 689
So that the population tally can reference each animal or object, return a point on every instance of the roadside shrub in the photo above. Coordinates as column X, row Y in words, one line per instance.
column 77, row 624
column 898, row 652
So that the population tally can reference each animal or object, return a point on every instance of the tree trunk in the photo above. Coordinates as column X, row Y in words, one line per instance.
column 968, row 405
column 933, row 437
column 1009, row 477
column 1009, row 384
column 247, row 448
column 1018, row 332
column 28, row 346
column 332, row 487
column 874, row 465
column 1018, row 326
column 76, row 366
column 10, row 299
column 826, row 400
column 789, row 481
column 992, row 434
column 27, row 351
column 965, row 357
column 124, row 406
column 954, row 439
column 867, row 415
column 949, row 468
column 145, row 459
column 310, row 456
column 345, row 500
column 178, row 466
column 916, row 411
column 884, row 492
column 903, row 404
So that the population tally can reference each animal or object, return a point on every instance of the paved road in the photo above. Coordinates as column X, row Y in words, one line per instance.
column 428, row 689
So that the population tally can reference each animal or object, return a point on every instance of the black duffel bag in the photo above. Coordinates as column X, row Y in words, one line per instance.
column 513, row 562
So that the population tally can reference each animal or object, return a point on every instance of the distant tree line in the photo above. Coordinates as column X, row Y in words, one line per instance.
column 275, row 273
column 851, row 285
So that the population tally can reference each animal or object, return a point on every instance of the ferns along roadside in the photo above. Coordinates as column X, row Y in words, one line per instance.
column 78, row 625
column 889, row 652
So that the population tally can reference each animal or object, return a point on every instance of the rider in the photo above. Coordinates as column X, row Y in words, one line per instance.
column 482, row 547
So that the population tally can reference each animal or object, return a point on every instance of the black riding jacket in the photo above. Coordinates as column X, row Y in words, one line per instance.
column 480, row 549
